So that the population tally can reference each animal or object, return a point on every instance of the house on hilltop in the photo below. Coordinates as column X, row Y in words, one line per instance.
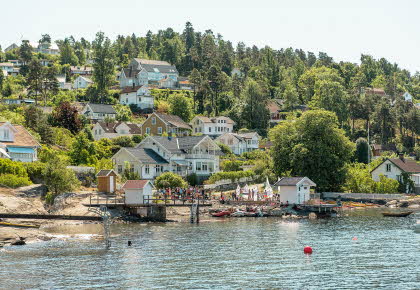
column 143, row 72
column 17, row 144
column 158, row 123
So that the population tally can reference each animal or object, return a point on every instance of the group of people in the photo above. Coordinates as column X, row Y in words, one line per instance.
column 183, row 193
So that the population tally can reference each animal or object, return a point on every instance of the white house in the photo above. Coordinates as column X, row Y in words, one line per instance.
column 61, row 79
column 137, row 95
column 294, row 190
column 144, row 71
column 181, row 155
column 240, row 142
column 82, row 82
column 81, row 70
column 137, row 192
column 214, row 126
column 408, row 97
column 394, row 167
column 115, row 129
column 98, row 112
column 17, row 143
column 7, row 66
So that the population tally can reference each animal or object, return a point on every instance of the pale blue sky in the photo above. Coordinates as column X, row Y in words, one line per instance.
column 343, row 29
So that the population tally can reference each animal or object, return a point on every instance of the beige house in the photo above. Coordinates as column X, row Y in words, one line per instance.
column 115, row 129
column 158, row 123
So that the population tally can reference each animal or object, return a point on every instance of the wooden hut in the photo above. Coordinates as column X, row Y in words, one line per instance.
column 107, row 181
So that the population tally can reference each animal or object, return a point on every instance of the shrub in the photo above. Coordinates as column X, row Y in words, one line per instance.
column 13, row 181
column 231, row 165
column 192, row 179
column 8, row 166
column 232, row 175
column 35, row 171
column 170, row 180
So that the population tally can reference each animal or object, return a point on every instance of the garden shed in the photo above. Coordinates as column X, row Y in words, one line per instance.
column 107, row 181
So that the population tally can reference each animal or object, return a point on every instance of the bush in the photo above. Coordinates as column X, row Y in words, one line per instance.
column 8, row 166
column 231, row 165
column 13, row 181
column 35, row 171
column 192, row 179
column 232, row 175
column 170, row 180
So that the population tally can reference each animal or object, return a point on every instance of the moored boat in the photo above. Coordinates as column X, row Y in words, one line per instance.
column 397, row 214
column 221, row 213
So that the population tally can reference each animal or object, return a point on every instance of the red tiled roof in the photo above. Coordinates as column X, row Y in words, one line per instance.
column 130, row 89
column 135, row 184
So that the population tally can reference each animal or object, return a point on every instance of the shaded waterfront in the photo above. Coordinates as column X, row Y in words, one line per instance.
column 231, row 253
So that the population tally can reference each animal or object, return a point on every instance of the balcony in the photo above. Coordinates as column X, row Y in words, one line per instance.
column 200, row 156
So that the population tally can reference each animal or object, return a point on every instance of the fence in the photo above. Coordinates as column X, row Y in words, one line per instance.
column 335, row 195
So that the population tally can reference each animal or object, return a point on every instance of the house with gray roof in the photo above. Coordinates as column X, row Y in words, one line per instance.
column 240, row 142
column 294, row 190
column 98, row 112
column 144, row 72
column 212, row 126
column 112, row 130
column 181, row 155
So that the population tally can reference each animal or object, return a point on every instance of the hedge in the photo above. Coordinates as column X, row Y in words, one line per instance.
column 13, row 181
column 8, row 166
column 232, row 175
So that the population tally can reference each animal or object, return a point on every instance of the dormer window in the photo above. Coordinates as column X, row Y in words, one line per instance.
column 153, row 120
column 6, row 134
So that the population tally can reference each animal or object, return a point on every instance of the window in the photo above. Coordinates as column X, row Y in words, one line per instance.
column 399, row 178
column 148, row 130
column 388, row 167
column 210, row 129
column 6, row 134
column 132, row 168
column 198, row 166
column 120, row 169
column 147, row 169
column 204, row 167
column 160, row 130
column 126, row 100
column 154, row 121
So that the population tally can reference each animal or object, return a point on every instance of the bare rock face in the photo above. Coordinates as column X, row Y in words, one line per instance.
column 414, row 206
column 391, row 202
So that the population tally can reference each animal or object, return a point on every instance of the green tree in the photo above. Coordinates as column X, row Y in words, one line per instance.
column 25, row 52
column 170, row 180
column 67, row 54
column 312, row 146
column 255, row 113
column 58, row 178
column 362, row 151
column 181, row 106
column 104, row 65
column 83, row 151
column 124, row 113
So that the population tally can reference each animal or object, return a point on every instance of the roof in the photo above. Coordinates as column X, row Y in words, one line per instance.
column 214, row 119
column 274, row 106
column 156, row 65
column 248, row 135
column 387, row 147
column 88, row 80
column 132, row 89
column 173, row 120
column 111, row 127
column 292, row 181
column 135, row 184
column 374, row 91
column 130, row 73
column 105, row 172
column 81, row 68
column 178, row 144
column 22, row 137
column 405, row 164
column 101, row 108
column 145, row 155
column 6, row 64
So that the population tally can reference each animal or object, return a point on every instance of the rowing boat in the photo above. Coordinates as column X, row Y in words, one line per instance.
column 4, row 224
column 397, row 214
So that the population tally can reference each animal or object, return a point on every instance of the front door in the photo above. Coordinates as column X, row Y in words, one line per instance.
column 111, row 184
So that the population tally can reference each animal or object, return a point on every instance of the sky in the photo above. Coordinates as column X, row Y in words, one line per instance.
column 342, row 29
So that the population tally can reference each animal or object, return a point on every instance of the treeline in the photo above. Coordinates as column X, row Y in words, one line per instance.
column 238, row 81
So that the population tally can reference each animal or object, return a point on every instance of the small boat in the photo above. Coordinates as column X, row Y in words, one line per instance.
column 221, row 213
column 4, row 224
column 397, row 214
column 237, row 214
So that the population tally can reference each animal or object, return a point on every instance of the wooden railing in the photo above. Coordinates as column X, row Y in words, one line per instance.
column 106, row 200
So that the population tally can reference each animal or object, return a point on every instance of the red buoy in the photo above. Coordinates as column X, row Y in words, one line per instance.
column 307, row 250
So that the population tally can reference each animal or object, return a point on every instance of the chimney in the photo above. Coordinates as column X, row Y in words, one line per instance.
column 401, row 155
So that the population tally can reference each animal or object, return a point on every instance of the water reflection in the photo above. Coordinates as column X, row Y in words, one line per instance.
column 242, row 253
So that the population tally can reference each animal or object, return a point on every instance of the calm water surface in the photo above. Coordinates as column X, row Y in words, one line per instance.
column 264, row 253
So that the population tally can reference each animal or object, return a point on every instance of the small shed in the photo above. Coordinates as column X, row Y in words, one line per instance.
column 136, row 191
column 107, row 181
column 294, row 190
